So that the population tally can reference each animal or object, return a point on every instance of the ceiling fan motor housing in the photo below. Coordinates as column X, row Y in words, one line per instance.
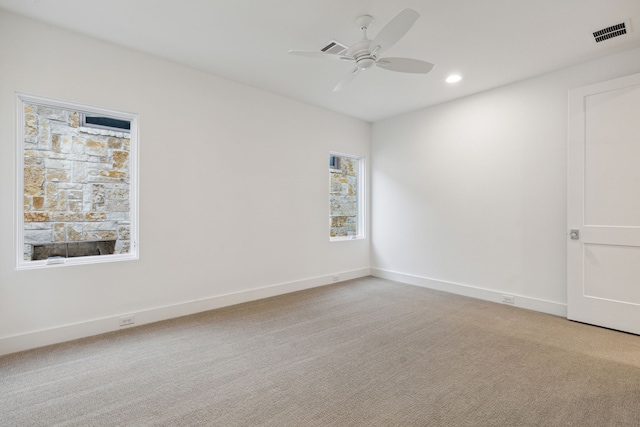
column 360, row 51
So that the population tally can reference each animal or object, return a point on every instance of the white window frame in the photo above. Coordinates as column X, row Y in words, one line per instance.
column 360, row 199
column 133, row 254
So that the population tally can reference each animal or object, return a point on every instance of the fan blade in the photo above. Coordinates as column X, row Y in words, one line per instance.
column 313, row 54
column 394, row 30
column 405, row 65
column 347, row 79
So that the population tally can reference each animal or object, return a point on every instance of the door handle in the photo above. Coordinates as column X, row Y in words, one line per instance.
column 574, row 234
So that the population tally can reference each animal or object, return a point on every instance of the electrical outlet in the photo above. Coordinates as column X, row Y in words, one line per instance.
column 127, row 320
column 508, row 299
column 335, row 278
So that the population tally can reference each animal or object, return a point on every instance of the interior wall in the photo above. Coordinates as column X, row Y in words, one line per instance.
column 470, row 196
column 234, row 186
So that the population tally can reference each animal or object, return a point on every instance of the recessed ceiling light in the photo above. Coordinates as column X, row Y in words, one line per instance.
column 453, row 78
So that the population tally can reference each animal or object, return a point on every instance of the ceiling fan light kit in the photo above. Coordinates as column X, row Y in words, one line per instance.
column 365, row 53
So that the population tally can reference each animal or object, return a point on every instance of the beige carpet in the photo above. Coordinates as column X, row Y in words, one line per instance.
column 368, row 352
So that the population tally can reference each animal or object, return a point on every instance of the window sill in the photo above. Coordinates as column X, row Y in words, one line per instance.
column 346, row 238
column 60, row 262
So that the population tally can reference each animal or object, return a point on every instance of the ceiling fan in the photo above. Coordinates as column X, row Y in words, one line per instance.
column 365, row 53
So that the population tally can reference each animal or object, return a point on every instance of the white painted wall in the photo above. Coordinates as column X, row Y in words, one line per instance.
column 233, row 183
column 470, row 196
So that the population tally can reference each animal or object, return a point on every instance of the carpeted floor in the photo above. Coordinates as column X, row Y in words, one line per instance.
column 368, row 352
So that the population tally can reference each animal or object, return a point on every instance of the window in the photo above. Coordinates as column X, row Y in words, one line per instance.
column 334, row 163
column 76, row 184
column 101, row 122
column 346, row 197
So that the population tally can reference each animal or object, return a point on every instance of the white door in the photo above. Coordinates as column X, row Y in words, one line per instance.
column 604, row 204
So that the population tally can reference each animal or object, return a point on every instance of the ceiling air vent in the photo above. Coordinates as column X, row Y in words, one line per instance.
column 610, row 32
column 334, row 47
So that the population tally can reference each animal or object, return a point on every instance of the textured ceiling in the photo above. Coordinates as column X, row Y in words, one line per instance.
column 490, row 42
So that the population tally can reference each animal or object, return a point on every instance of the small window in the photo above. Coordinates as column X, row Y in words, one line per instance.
column 334, row 163
column 77, row 184
column 346, row 197
column 102, row 122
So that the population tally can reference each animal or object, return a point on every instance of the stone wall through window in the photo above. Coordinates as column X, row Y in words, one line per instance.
column 343, row 196
column 76, row 182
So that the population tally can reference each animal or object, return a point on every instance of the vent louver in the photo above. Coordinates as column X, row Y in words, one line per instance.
column 334, row 47
column 610, row 32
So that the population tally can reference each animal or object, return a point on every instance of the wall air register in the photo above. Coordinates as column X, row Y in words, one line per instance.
column 610, row 32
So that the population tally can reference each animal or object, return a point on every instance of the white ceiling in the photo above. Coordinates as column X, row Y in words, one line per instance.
column 489, row 42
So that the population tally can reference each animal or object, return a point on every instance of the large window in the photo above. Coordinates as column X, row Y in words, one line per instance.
column 76, row 184
column 346, row 197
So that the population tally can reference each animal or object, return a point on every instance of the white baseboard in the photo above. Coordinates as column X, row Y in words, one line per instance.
column 30, row 340
column 522, row 301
